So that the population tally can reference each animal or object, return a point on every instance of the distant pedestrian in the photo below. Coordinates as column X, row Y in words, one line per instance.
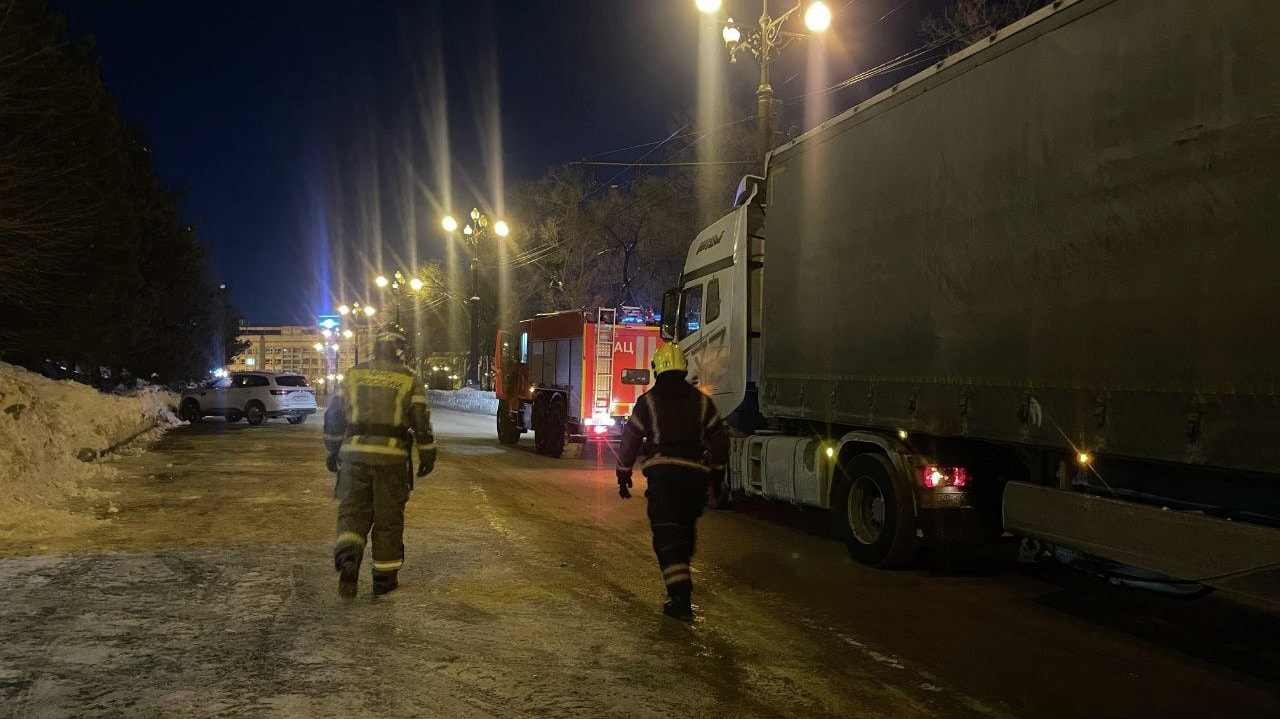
column 379, row 410
column 676, row 431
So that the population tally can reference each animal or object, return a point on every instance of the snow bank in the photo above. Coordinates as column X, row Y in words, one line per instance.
column 50, row 431
column 465, row 400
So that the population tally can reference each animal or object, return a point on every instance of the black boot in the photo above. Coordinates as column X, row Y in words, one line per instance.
column 348, row 565
column 384, row 582
column 679, row 607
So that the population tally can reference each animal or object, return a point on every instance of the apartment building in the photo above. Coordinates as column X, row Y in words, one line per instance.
column 293, row 348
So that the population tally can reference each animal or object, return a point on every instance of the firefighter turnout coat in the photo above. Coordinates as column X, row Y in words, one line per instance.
column 370, row 419
column 675, row 425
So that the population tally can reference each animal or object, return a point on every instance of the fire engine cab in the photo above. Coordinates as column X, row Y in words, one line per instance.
column 572, row 376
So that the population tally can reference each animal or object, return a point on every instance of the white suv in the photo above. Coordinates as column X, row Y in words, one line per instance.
column 255, row 396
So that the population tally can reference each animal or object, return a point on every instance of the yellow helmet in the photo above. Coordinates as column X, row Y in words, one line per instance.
column 668, row 358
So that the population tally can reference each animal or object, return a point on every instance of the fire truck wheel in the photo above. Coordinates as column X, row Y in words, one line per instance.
column 508, row 432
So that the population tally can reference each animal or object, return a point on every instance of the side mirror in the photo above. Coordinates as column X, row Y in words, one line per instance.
column 670, row 314
column 634, row 375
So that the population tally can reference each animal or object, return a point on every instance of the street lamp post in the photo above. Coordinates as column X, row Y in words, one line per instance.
column 476, row 229
column 397, row 282
column 328, row 352
column 765, row 42
column 355, row 310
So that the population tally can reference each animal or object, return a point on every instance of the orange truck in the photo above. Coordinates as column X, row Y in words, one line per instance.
column 572, row 376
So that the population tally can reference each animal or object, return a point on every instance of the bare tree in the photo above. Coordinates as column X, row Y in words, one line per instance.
column 558, row 261
column 964, row 22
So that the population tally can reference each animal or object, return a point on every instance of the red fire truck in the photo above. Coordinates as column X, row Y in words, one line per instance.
column 571, row 376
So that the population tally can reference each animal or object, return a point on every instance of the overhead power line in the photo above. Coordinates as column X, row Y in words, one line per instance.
column 589, row 163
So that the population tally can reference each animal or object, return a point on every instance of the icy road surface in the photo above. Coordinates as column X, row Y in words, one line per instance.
column 206, row 590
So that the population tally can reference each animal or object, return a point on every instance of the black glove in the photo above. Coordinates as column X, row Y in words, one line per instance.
column 624, row 483
column 426, row 462
column 331, row 462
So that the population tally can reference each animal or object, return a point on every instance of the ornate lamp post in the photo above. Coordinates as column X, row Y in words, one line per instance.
column 397, row 283
column 356, row 310
column 765, row 42
column 474, row 231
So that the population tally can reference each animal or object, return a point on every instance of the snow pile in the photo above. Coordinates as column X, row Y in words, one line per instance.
column 50, row 433
column 464, row 400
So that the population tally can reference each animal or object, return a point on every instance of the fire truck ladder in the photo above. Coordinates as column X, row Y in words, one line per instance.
column 606, row 320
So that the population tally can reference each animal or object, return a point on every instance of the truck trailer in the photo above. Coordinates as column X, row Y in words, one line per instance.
column 1030, row 291
column 572, row 376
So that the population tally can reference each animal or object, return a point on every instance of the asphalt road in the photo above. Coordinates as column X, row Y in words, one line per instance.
column 530, row 590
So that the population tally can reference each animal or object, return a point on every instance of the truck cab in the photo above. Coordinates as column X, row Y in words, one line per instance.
column 715, row 313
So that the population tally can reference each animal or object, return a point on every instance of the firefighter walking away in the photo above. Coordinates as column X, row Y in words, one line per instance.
column 680, row 439
column 370, row 426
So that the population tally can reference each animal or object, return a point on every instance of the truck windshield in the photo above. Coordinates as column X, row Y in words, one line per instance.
column 690, row 311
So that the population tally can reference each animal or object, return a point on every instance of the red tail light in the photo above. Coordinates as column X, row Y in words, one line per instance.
column 278, row 392
column 938, row 476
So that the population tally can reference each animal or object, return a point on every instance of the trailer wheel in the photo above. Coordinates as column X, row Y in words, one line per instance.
column 873, row 514
column 549, row 425
column 508, row 432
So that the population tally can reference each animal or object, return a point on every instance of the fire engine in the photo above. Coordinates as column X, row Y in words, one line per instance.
column 572, row 376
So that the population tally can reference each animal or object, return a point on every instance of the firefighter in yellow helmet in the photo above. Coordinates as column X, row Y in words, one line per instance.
column 677, row 433
column 370, row 424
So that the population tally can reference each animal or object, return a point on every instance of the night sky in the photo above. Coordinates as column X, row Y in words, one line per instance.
column 291, row 125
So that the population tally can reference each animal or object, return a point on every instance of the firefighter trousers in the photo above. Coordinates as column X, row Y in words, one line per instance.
column 677, row 496
column 372, row 497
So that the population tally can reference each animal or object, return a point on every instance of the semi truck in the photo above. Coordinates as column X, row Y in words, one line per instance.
column 572, row 376
column 1031, row 291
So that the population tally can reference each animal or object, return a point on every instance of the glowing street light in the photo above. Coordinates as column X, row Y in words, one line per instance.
column 397, row 283
column 473, row 232
column 765, row 42
column 818, row 17
column 354, row 310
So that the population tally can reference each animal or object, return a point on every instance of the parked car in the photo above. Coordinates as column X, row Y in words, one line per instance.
column 256, row 396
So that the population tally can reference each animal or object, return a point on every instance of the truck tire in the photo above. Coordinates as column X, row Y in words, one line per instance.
column 508, row 432
column 873, row 514
column 549, row 428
